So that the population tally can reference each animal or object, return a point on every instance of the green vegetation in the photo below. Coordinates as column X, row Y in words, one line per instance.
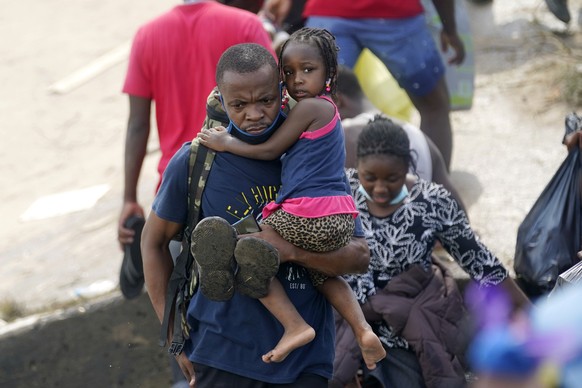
column 572, row 85
column 10, row 310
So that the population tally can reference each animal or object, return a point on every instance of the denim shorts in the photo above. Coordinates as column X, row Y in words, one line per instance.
column 406, row 47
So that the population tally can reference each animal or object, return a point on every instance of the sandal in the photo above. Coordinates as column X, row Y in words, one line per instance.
column 212, row 246
column 258, row 262
column 131, row 277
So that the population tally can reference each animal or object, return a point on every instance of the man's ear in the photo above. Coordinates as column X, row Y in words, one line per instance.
column 216, row 94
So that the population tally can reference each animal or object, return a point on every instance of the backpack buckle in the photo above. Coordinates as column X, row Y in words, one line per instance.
column 176, row 348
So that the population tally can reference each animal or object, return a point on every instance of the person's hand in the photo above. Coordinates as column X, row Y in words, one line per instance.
column 573, row 140
column 216, row 138
column 286, row 249
column 276, row 10
column 187, row 368
column 454, row 42
column 126, row 235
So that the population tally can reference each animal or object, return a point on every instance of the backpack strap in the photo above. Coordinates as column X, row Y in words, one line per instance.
column 184, row 278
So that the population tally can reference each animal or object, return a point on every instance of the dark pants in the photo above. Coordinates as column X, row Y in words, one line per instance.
column 207, row 377
column 400, row 368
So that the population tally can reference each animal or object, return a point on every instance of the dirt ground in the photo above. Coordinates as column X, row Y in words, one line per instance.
column 64, row 118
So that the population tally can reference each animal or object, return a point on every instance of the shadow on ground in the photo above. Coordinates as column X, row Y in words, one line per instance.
column 110, row 343
column 468, row 186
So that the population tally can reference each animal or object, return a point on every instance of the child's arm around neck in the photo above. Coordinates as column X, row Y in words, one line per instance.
column 307, row 115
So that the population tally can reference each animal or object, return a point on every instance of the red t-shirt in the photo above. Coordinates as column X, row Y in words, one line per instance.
column 173, row 61
column 361, row 9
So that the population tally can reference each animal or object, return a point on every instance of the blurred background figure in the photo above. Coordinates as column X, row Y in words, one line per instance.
column 406, row 48
column 540, row 347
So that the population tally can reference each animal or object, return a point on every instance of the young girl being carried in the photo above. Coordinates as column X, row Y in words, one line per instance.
column 314, row 209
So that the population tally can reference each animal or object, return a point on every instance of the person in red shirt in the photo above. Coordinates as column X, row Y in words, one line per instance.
column 396, row 32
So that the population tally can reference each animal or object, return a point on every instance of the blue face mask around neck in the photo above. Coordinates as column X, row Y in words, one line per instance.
column 399, row 198
column 262, row 137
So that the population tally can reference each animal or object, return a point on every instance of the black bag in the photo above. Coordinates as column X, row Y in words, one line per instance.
column 571, row 276
column 549, row 237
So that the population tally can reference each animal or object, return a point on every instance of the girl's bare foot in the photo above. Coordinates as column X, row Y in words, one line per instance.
column 290, row 341
column 371, row 347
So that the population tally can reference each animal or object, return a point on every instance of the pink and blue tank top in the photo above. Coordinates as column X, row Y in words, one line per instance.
column 313, row 178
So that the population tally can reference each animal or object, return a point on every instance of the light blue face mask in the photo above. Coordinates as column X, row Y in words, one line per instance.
column 399, row 198
column 262, row 137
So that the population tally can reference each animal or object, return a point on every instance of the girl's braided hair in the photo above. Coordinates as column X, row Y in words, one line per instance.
column 325, row 42
column 382, row 136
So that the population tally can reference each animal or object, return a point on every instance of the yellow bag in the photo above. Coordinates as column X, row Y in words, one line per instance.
column 381, row 88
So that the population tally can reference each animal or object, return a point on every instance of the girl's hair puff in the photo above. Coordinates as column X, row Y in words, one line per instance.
column 382, row 136
column 325, row 42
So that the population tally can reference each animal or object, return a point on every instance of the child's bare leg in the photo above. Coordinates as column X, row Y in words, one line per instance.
column 342, row 298
column 297, row 331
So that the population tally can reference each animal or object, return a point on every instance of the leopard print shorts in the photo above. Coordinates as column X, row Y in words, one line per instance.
column 323, row 234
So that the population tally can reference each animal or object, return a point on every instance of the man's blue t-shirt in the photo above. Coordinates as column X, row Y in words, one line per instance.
column 233, row 335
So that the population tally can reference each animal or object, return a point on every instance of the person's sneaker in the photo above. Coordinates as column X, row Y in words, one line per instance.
column 258, row 262
column 560, row 9
column 131, row 277
column 213, row 243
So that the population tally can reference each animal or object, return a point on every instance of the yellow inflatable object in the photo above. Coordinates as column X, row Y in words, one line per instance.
column 381, row 88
